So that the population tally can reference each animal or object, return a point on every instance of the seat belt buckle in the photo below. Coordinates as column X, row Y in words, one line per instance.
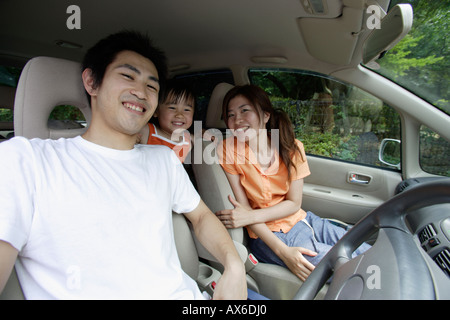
column 250, row 263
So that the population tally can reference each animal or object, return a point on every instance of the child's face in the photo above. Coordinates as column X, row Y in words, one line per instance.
column 175, row 115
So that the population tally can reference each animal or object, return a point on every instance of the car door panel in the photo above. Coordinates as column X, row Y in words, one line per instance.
column 328, row 193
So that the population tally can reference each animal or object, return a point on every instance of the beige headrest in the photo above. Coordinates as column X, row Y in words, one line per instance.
column 44, row 84
column 214, row 113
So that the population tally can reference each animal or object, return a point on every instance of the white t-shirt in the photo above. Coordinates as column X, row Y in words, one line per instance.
column 94, row 223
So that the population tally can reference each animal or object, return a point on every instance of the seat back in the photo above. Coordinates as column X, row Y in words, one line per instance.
column 12, row 290
column 187, row 252
column 214, row 112
column 210, row 178
column 44, row 84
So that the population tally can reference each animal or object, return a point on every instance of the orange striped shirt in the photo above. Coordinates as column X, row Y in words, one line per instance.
column 181, row 149
column 264, row 188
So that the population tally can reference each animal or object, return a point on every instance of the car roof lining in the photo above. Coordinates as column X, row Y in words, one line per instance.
column 191, row 29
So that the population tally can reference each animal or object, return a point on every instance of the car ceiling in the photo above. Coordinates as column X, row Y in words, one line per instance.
column 196, row 34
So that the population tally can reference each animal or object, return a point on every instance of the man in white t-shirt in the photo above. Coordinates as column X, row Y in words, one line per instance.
column 90, row 217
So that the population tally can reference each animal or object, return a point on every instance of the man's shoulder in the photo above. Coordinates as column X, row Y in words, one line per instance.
column 158, row 151
column 21, row 145
column 15, row 145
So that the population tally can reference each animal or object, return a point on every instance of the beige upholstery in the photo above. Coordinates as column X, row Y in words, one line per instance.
column 214, row 113
column 188, row 255
column 48, row 82
column 12, row 290
column 44, row 84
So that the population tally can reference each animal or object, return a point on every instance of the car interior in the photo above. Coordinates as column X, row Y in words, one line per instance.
column 399, row 207
column 60, row 78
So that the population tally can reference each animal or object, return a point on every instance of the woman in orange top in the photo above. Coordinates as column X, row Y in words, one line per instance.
column 171, row 120
column 265, row 166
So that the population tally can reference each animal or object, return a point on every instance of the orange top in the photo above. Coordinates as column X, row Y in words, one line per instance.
column 264, row 188
column 181, row 149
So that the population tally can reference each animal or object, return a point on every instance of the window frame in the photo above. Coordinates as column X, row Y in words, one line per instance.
column 380, row 165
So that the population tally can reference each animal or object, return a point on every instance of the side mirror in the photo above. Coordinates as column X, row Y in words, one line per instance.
column 393, row 27
column 389, row 153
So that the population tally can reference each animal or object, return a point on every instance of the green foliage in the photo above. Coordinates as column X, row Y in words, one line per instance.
column 329, row 145
column 6, row 115
column 434, row 152
column 400, row 60
column 420, row 62
column 66, row 112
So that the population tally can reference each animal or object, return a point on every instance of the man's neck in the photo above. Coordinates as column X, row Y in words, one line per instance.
column 112, row 141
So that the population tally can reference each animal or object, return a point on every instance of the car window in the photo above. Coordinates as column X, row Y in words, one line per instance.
column 202, row 84
column 66, row 117
column 420, row 62
column 333, row 119
column 6, row 124
column 434, row 152
column 9, row 77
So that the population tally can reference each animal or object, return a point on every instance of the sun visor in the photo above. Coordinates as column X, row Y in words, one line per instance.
column 332, row 40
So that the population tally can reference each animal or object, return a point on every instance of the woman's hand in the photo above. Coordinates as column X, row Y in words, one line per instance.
column 238, row 217
column 296, row 262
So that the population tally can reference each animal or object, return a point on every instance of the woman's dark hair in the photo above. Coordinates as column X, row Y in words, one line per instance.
column 102, row 54
column 278, row 120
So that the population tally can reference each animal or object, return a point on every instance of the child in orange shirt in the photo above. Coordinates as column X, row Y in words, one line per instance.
column 171, row 120
column 265, row 166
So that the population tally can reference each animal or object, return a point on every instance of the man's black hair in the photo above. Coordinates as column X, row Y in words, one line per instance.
column 102, row 54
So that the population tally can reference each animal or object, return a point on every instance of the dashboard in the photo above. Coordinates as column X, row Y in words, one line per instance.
column 430, row 226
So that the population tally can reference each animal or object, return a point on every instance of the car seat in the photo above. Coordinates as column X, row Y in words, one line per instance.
column 48, row 82
column 272, row 281
column 44, row 84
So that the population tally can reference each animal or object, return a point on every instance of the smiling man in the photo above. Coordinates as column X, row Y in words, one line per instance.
column 90, row 217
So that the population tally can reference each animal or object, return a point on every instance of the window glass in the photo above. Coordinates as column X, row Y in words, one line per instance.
column 202, row 84
column 6, row 124
column 6, row 115
column 331, row 118
column 434, row 152
column 9, row 76
column 66, row 117
column 420, row 61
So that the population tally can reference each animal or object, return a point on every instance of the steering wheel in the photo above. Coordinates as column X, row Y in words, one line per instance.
column 395, row 267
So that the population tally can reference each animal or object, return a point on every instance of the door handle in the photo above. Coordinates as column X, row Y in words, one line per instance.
column 358, row 178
